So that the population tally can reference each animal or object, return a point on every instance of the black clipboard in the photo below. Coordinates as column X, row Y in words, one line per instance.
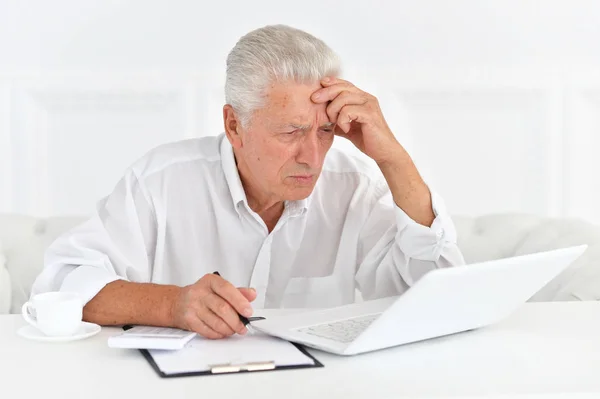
column 233, row 370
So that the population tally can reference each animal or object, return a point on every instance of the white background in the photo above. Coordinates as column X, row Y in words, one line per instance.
column 497, row 101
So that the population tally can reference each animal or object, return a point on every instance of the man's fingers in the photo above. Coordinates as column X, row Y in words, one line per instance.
column 231, row 294
column 332, row 80
column 330, row 92
column 200, row 327
column 215, row 322
column 345, row 98
column 248, row 293
column 349, row 114
column 222, row 309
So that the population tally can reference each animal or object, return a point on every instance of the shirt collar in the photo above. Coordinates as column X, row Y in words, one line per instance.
column 232, row 176
column 231, row 173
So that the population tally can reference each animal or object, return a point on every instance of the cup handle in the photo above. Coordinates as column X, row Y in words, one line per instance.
column 26, row 315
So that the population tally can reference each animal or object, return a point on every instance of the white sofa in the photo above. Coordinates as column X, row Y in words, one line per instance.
column 23, row 240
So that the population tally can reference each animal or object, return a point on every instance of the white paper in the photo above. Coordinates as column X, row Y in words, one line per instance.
column 200, row 354
column 144, row 337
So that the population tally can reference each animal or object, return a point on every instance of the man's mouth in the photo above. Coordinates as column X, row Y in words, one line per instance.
column 303, row 179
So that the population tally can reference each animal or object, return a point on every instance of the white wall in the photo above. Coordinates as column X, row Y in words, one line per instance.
column 497, row 101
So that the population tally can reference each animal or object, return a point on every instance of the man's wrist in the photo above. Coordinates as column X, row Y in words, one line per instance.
column 172, row 306
column 409, row 190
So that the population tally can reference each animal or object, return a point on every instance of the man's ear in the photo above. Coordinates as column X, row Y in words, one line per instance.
column 232, row 126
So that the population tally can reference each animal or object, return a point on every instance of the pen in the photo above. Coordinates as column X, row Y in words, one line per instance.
column 243, row 319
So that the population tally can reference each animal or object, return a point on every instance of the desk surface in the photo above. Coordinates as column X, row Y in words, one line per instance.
column 543, row 350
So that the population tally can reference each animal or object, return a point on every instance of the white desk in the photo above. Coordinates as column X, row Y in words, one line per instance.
column 545, row 348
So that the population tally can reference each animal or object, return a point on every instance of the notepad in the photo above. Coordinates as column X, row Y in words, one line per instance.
column 148, row 337
column 252, row 352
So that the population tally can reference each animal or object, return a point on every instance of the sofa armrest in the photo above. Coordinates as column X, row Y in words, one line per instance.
column 496, row 236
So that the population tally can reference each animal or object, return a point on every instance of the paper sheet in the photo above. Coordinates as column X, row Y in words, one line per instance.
column 200, row 353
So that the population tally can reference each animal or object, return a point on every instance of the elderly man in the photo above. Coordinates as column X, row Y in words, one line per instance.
column 285, row 220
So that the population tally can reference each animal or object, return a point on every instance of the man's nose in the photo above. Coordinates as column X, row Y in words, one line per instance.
column 309, row 151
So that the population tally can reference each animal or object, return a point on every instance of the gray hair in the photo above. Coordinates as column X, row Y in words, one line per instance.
column 273, row 53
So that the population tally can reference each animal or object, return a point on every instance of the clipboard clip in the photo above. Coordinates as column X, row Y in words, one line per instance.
column 236, row 368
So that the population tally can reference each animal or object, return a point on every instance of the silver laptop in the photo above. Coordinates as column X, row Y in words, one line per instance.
column 444, row 301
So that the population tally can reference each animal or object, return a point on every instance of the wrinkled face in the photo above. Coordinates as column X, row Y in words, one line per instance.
column 282, row 151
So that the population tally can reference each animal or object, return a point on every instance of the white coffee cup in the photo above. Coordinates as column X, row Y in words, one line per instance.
column 56, row 313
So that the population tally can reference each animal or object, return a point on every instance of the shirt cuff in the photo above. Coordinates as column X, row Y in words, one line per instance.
column 422, row 242
column 87, row 281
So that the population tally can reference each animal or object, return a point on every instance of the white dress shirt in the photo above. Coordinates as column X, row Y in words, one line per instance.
column 180, row 212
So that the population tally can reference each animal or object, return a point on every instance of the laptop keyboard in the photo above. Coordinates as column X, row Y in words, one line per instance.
column 344, row 331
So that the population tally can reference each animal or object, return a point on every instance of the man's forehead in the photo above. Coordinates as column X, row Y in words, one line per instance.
column 290, row 105
column 305, row 117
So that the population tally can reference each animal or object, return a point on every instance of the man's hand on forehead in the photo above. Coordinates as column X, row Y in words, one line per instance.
column 357, row 117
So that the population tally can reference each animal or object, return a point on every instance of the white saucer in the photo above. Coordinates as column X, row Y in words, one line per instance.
column 85, row 331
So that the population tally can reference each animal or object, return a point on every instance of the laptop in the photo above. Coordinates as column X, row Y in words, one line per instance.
column 443, row 302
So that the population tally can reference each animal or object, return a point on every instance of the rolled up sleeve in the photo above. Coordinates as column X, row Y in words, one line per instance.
column 426, row 243
column 395, row 251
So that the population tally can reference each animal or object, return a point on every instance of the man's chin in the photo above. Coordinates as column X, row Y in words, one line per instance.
column 299, row 193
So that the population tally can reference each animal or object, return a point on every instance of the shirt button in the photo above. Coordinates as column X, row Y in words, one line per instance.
column 440, row 233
